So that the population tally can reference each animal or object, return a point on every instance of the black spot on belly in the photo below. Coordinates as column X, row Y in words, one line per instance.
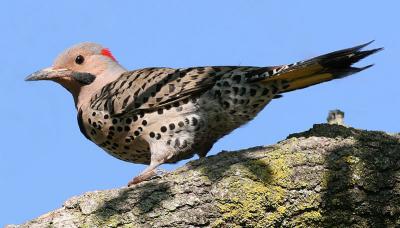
column 177, row 143
column 128, row 120
column 152, row 134
column 163, row 129
column 194, row 121
column 187, row 121
column 141, row 114
column 184, row 144
column 181, row 124
column 171, row 126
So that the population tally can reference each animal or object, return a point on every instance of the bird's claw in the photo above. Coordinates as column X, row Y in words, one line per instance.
column 156, row 173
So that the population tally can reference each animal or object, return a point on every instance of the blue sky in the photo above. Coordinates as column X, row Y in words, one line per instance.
column 44, row 159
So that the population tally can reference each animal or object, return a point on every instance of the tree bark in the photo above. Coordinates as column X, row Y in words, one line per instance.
column 328, row 176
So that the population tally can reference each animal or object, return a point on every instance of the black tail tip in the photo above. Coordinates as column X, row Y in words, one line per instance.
column 365, row 44
column 341, row 62
column 359, row 47
column 366, row 67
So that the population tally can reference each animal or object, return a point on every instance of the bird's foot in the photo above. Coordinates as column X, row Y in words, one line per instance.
column 153, row 174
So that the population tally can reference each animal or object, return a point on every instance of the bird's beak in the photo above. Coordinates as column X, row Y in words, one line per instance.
column 49, row 74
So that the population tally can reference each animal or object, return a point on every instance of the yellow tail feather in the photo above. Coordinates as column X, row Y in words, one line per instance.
column 320, row 69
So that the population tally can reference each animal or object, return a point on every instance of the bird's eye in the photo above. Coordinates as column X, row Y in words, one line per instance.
column 79, row 59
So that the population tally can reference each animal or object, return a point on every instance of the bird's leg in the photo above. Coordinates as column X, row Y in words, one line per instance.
column 146, row 174
column 158, row 156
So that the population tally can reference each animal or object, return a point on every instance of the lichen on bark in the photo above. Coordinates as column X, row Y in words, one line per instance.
column 328, row 176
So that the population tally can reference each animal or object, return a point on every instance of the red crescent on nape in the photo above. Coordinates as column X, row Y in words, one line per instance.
column 107, row 52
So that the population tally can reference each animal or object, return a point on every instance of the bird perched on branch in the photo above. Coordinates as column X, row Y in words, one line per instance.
column 163, row 115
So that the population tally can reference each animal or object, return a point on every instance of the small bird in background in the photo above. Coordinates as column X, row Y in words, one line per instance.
column 163, row 115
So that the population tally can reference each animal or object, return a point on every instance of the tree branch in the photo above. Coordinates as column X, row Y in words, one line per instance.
column 328, row 176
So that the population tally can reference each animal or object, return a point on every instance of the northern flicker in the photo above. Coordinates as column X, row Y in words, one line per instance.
column 163, row 115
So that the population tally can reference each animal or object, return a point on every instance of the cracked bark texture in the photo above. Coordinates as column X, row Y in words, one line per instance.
column 329, row 176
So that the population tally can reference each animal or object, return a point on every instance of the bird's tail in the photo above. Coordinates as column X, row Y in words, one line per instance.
column 320, row 69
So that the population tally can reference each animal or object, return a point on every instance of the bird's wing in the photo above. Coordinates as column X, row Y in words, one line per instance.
column 153, row 88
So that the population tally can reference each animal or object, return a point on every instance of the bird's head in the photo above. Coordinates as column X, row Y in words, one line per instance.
column 85, row 66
